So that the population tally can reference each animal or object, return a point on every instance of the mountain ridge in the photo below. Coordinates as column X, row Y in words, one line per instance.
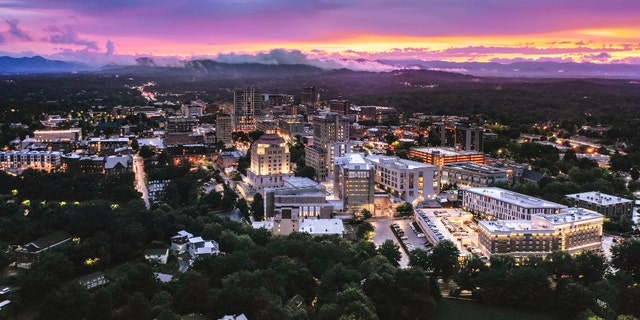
column 200, row 67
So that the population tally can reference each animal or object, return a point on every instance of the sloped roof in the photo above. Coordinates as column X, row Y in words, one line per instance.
column 47, row 241
column 114, row 161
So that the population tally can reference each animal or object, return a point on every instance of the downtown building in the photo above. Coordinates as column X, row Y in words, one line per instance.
column 499, row 204
column 71, row 134
column 301, row 197
column 330, row 134
column 610, row 206
column 310, row 96
column 270, row 162
column 224, row 129
column 354, row 182
column 18, row 161
column 442, row 156
column 459, row 136
column 405, row 179
column 573, row 230
column 470, row 174
column 247, row 106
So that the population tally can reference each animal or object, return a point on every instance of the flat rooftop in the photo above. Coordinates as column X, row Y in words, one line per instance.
column 474, row 167
column 514, row 198
column 300, row 182
column 446, row 151
column 395, row 162
column 571, row 215
column 322, row 226
column 352, row 161
column 512, row 225
column 600, row 198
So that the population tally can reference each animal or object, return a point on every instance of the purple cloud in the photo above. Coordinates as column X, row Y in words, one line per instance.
column 69, row 36
column 600, row 57
column 15, row 31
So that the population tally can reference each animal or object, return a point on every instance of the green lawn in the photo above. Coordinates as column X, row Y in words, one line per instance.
column 451, row 309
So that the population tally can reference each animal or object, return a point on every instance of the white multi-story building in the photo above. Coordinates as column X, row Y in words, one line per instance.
column 406, row 179
column 496, row 203
column 270, row 162
column 573, row 230
column 25, row 159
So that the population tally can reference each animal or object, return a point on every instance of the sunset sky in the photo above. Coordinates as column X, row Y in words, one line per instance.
column 603, row 31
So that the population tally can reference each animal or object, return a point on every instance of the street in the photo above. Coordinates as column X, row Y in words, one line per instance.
column 139, row 181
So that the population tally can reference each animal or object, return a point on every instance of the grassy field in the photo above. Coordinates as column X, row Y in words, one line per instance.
column 451, row 309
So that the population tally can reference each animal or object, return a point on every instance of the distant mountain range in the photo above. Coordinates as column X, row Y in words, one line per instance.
column 40, row 65
column 529, row 69
column 37, row 64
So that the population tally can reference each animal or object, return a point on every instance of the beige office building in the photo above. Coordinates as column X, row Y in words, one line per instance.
column 270, row 162
column 573, row 230
column 405, row 179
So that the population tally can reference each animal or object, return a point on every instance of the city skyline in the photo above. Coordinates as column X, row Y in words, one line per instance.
column 100, row 32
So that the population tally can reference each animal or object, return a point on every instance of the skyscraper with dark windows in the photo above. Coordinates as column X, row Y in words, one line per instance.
column 247, row 105
column 459, row 135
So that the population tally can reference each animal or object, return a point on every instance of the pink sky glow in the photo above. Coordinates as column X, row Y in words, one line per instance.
column 100, row 32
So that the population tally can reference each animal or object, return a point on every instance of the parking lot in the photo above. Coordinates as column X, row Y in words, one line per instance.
column 436, row 225
column 439, row 224
column 411, row 240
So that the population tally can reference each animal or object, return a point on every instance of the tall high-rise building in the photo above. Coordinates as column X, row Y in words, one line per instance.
column 247, row 105
column 270, row 162
column 340, row 106
column 310, row 96
column 224, row 128
column 459, row 136
column 329, row 134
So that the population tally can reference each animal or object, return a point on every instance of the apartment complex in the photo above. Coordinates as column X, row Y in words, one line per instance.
column 573, row 230
column 405, row 179
column 269, row 162
column 495, row 203
column 470, row 174
column 442, row 156
column 607, row 205
column 38, row 160
column 354, row 182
